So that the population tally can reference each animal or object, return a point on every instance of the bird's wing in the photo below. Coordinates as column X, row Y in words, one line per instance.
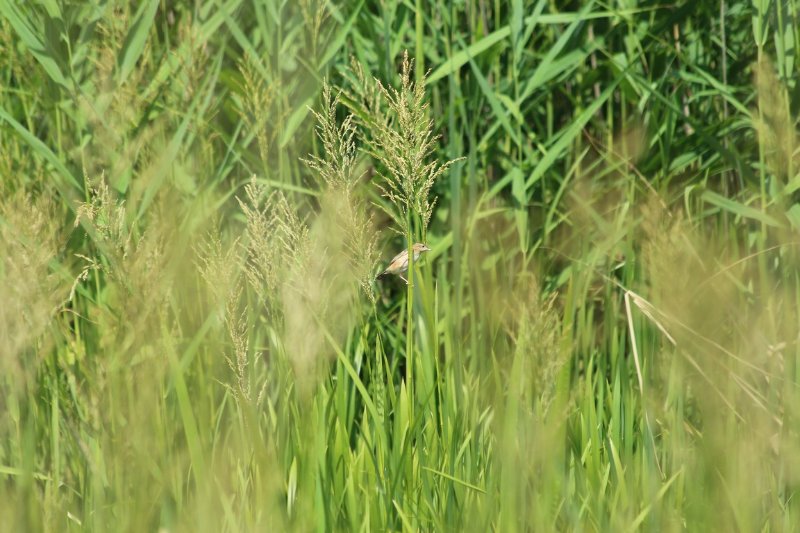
column 396, row 262
column 398, row 257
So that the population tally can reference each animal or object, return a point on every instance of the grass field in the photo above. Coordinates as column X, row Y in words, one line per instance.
column 196, row 197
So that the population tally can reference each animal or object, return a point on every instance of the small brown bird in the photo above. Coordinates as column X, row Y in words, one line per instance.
column 400, row 262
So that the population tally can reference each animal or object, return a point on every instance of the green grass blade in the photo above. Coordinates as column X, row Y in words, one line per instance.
column 135, row 41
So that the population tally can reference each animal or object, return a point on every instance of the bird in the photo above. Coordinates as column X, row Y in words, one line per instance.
column 399, row 263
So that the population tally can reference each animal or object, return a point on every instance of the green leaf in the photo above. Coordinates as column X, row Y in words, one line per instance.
column 42, row 150
column 547, row 69
column 341, row 36
column 497, row 107
column 200, row 103
column 240, row 37
column 295, row 119
column 793, row 214
column 25, row 29
column 738, row 209
column 569, row 133
column 460, row 58
column 136, row 39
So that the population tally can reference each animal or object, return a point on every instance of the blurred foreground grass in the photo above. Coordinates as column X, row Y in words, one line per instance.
column 604, row 336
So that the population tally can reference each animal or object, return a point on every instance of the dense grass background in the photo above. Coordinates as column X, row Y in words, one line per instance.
column 604, row 337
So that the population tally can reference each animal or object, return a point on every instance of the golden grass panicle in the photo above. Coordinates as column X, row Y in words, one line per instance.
column 314, row 13
column 774, row 123
column 257, row 102
column 31, row 293
column 337, row 168
column 262, row 256
column 403, row 143
column 219, row 266
column 106, row 216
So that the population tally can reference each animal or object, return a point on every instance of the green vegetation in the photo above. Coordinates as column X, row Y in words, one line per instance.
column 196, row 197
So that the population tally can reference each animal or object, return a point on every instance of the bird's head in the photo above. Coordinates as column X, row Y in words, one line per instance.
column 419, row 248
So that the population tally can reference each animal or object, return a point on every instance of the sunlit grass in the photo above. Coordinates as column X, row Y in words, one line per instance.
column 196, row 198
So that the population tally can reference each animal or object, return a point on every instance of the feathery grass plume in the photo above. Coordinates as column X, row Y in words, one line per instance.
column 107, row 217
column 402, row 141
column 337, row 168
column 256, row 106
column 31, row 293
column 194, row 61
column 314, row 14
column 238, row 331
column 139, row 321
column 134, row 259
column 361, row 95
column 139, row 263
column 724, row 363
column 264, row 252
column 299, row 273
column 773, row 122
column 221, row 269
column 672, row 260
column 219, row 266
column 338, row 165
column 277, row 238
column 319, row 293
column 534, row 330
column 526, row 427
column 699, row 306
